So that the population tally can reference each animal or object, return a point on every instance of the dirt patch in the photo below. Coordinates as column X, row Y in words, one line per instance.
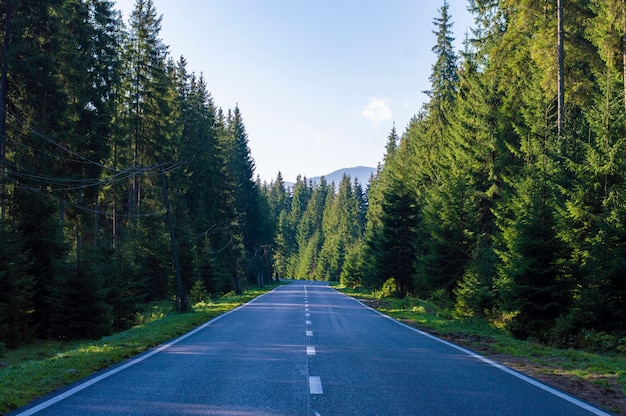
column 374, row 303
column 605, row 393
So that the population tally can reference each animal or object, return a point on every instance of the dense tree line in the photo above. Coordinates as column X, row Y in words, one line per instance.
column 100, row 127
column 505, row 197
column 497, row 201
column 317, row 225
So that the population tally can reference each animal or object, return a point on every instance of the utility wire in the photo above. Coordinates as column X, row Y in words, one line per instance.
column 214, row 229
column 57, row 184
column 91, row 210
column 223, row 248
column 54, row 142
column 82, row 158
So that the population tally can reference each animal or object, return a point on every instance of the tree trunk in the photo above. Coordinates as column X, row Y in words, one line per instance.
column 182, row 304
column 624, row 46
column 561, row 82
column 3, row 105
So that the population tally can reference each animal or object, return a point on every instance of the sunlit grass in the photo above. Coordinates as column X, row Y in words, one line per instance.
column 40, row 368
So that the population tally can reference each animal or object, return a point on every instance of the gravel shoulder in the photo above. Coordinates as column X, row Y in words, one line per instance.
column 609, row 397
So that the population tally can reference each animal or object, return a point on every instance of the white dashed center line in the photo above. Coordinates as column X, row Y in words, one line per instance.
column 315, row 382
column 315, row 385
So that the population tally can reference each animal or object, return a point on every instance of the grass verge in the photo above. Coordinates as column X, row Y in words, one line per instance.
column 38, row 369
column 597, row 378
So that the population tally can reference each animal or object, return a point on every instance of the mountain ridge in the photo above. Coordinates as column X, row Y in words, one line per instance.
column 362, row 173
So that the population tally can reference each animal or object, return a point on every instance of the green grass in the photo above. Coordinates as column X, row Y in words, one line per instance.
column 38, row 369
column 602, row 370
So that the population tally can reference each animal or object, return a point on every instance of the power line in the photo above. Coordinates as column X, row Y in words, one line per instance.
column 214, row 229
column 55, row 143
column 57, row 184
column 91, row 210
column 83, row 159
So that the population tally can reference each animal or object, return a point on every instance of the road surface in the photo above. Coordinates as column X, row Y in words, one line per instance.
column 305, row 349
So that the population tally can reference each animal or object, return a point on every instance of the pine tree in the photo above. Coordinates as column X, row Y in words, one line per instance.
column 288, row 244
column 149, row 108
column 478, row 159
column 445, row 209
column 592, row 230
column 340, row 230
column 444, row 79
column 17, row 325
column 252, row 226
column 148, row 112
column 5, row 33
column 277, row 196
column 532, row 284
column 399, row 219
column 371, row 250
column 310, row 233
column 80, row 309
column 37, row 124
column 279, row 205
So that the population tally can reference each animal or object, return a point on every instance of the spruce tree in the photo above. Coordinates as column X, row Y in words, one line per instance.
column 399, row 221
column 592, row 231
column 39, row 123
column 478, row 158
column 148, row 111
column 445, row 208
column 289, row 224
column 278, row 200
column 251, row 212
column 443, row 79
column 341, row 230
column 17, row 325
column 370, row 251
column 532, row 283
column 309, row 233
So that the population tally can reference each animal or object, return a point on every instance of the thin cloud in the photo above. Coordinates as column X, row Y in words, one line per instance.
column 378, row 110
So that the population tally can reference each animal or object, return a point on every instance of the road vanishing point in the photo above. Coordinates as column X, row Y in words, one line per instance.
column 306, row 349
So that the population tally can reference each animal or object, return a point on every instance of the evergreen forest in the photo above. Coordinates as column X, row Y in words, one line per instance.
column 504, row 198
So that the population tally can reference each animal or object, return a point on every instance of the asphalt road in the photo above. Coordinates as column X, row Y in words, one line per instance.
column 305, row 349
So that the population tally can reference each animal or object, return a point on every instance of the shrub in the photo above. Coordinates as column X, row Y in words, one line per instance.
column 389, row 287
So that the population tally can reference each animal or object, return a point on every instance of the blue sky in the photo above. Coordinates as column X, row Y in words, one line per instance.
column 319, row 82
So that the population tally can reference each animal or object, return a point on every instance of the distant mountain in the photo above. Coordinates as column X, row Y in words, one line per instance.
column 362, row 173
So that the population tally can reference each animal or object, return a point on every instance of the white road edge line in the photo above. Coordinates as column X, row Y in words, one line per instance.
column 123, row 367
column 315, row 385
column 529, row 380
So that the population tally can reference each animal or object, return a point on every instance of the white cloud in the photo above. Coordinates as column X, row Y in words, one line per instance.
column 377, row 110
